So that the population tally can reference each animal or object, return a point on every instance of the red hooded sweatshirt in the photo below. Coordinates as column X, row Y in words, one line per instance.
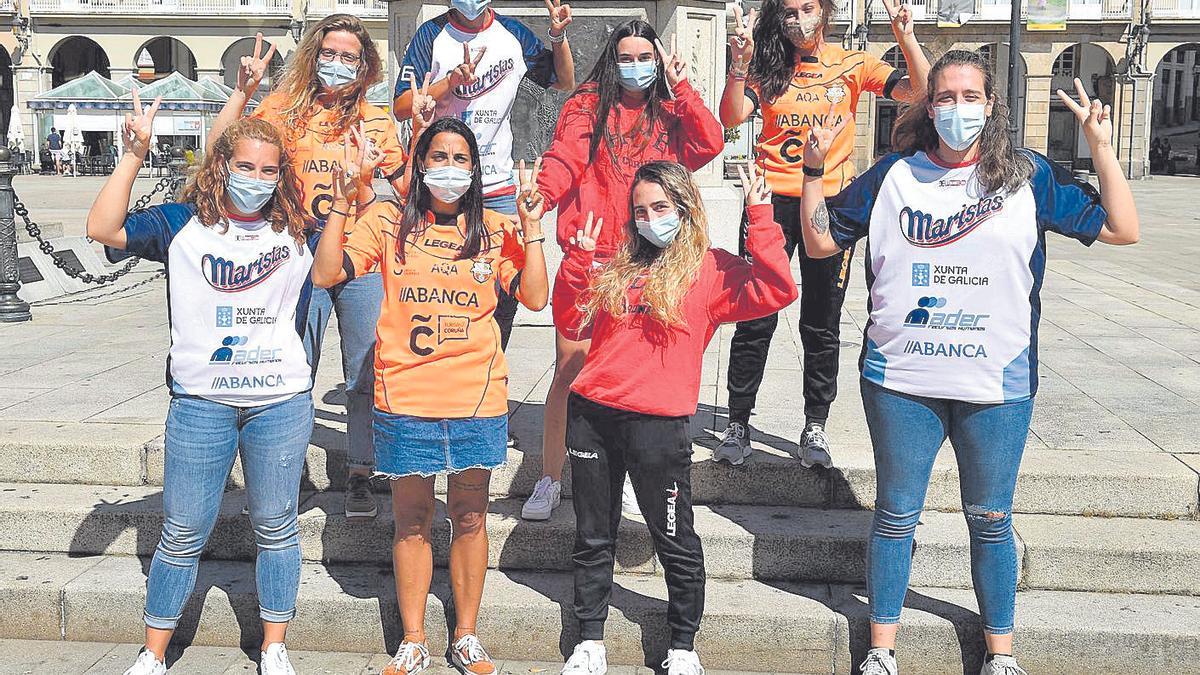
column 684, row 131
column 637, row 364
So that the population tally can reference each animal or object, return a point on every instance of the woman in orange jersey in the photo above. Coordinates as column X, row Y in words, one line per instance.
column 441, row 380
column 783, row 66
column 322, row 94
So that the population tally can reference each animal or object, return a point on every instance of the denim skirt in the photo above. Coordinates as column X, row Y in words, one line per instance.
column 423, row 446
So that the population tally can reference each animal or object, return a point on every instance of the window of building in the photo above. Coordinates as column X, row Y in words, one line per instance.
column 1065, row 63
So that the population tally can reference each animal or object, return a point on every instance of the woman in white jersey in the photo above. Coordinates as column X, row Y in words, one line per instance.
column 237, row 288
column 957, row 222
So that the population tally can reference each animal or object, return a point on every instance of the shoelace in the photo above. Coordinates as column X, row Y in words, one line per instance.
column 733, row 432
column 693, row 667
column 470, row 648
column 815, row 435
column 874, row 665
column 541, row 491
column 409, row 656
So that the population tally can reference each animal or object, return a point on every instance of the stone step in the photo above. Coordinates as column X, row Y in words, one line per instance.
column 748, row 625
column 741, row 542
column 1064, row 482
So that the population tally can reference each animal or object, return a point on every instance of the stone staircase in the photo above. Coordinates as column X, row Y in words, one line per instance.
column 1109, row 548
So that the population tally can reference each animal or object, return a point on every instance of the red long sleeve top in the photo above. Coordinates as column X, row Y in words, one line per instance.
column 637, row 364
column 684, row 131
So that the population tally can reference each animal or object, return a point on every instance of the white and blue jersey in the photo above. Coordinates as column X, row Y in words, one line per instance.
column 955, row 275
column 237, row 300
column 513, row 52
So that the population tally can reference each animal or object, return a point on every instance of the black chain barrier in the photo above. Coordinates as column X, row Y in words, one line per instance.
column 167, row 184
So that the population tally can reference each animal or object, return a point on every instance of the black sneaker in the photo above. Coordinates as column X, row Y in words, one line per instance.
column 360, row 503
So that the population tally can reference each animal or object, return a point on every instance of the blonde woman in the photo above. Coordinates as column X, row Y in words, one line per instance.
column 321, row 96
column 653, row 309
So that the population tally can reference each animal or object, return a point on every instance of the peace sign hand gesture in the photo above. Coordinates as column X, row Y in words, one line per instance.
column 139, row 126
column 754, row 185
column 354, row 172
column 1094, row 116
column 674, row 66
column 531, row 205
column 560, row 17
column 464, row 73
column 586, row 238
column 423, row 104
column 741, row 43
column 901, row 18
column 254, row 68
column 820, row 139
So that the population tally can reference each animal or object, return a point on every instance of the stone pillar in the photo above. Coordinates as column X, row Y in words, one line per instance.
column 1037, row 112
column 1133, row 142
column 29, row 80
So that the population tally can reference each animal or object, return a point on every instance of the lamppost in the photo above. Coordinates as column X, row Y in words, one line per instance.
column 1014, row 53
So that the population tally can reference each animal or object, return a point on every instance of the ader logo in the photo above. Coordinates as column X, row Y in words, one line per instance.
column 482, row 270
column 922, row 317
column 226, row 354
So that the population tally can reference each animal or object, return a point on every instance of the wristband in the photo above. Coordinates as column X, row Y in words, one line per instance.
column 340, row 213
column 535, row 241
column 814, row 172
column 556, row 40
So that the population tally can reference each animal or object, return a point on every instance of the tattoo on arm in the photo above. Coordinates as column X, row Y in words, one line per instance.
column 820, row 219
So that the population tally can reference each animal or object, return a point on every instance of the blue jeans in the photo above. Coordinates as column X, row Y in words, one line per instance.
column 988, row 441
column 506, row 305
column 356, row 304
column 203, row 438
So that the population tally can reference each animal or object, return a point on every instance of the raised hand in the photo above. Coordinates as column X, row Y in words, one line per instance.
column 820, row 139
column 586, row 238
column 423, row 104
column 359, row 159
column 900, row 16
column 673, row 64
column 560, row 16
column 139, row 126
column 530, row 203
column 1094, row 116
column 464, row 73
column 741, row 43
column 254, row 68
column 754, row 184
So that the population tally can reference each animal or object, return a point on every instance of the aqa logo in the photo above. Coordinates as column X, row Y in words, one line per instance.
column 923, row 230
column 227, row 277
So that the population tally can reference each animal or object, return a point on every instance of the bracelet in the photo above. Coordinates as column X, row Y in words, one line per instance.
column 340, row 213
column 814, row 172
column 535, row 241
column 556, row 40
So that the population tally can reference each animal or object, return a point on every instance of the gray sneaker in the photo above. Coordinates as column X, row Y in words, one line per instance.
column 734, row 447
column 814, row 448
column 879, row 662
column 360, row 503
column 1002, row 665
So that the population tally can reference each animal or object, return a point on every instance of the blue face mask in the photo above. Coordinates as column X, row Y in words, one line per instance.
column 334, row 74
column 660, row 231
column 248, row 194
column 638, row 76
column 959, row 125
column 470, row 8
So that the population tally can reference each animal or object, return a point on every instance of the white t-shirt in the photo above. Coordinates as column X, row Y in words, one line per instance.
column 955, row 275
column 237, row 302
column 513, row 52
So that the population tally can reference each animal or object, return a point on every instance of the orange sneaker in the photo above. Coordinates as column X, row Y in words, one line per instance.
column 411, row 658
column 469, row 656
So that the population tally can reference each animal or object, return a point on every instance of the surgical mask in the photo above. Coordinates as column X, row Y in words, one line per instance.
column 638, row 76
column 660, row 231
column 470, row 8
column 959, row 125
column 804, row 29
column 248, row 194
column 447, row 183
column 334, row 74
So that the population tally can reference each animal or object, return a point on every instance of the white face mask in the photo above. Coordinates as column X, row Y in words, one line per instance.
column 803, row 31
column 447, row 183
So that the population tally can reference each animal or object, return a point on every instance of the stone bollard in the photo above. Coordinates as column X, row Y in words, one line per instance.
column 12, row 308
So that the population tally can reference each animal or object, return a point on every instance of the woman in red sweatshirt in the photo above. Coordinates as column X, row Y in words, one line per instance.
column 653, row 308
column 636, row 106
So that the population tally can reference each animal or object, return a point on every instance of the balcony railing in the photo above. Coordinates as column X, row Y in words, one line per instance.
column 362, row 7
column 188, row 7
column 1108, row 10
column 1175, row 9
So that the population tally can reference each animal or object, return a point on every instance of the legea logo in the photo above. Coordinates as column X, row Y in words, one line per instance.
column 923, row 230
column 227, row 277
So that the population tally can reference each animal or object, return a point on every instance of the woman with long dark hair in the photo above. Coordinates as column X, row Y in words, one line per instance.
column 441, row 393
column 782, row 66
column 957, row 221
column 635, row 106
column 234, row 242
column 319, row 98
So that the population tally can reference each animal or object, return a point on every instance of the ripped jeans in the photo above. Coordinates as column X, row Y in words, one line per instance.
column 203, row 439
column 906, row 432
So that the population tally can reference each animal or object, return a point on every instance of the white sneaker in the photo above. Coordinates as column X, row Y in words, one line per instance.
column 147, row 664
column 734, row 447
column 629, row 503
column 469, row 656
column 682, row 662
column 275, row 661
column 879, row 662
column 411, row 658
column 1002, row 665
column 588, row 659
column 814, row 448
column 546, row 497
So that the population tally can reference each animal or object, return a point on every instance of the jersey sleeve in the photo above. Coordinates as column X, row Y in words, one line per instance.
column 539, row 61
column 850, row 209
column 699, row 136
column 1065, row 205
column 418, row 58
column 567, row 157
column 149, row 232
column 511, row 258
column 877, row 77
column 744, row 290
column 365, row 244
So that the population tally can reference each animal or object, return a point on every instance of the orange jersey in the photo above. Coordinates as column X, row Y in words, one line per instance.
column 838, row 76
column 315, row 146
column 437, row 350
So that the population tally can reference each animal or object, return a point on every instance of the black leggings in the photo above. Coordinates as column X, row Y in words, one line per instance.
column 603, row 443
